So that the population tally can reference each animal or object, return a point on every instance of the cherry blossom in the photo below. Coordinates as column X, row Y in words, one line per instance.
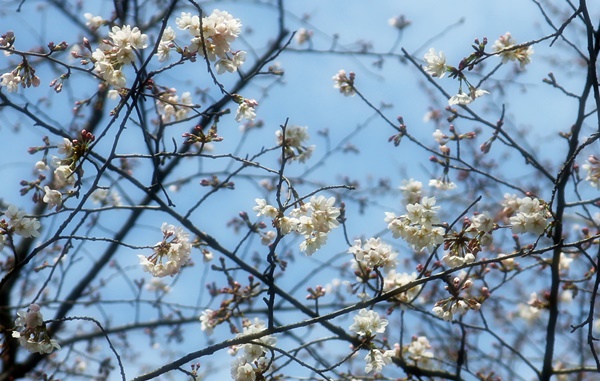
column 436, row 63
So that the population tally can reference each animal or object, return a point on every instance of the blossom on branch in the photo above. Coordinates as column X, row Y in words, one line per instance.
column 436, row 63
column 419, row 350
column 530, row 218
column 112, row 55
column 592, row 167
column 295, row 143
column 368, row 323
column 26, row 227
column 175, row 247
column 344, row 83
column 376, row 359
column 505, row 46
column 373, row 253
column 246, row 110
column 416, row 227
column 10, row 81
column 464, row 98
column 30, row 330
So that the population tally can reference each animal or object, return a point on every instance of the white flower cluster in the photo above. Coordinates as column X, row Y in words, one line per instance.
column 93, row 22
column 530, row 218
column 170, row 106
column 437, row 67
column 466, row 98
column 411, row 191
column 246, row 109
column 368, row 323
column 30, row 330
column 303, row 35
column 17, row 223
column 166, row 43
column 442, row 184
column 447, row 308
column 505, row 46
column 314, row 220
column 252, row 361
column 419, row 350
column 344, row 83
column 63, row 174
column 175, row 246
column 417, row 226
column 104, row 196
column 112, row 55
column 295, row 143
column 592, row 166
column 219, row 30
column 395, row 280
column 207, row 321
column 376, row 359
column 373, row 254
column 11, row 81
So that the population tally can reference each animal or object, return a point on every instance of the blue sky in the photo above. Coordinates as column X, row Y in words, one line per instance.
column 307, row 98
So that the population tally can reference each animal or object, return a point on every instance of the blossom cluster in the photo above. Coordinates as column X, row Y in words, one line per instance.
column 592, row 167
column 213, row 35
column 395, row 280
column 373, row 254
column 113, row 54
column 344, row 83
column 417, row 226
column 507, row 47
column 170, row 106
column 175, row 247
column 419, row 350
column 368, row 323
column 251, row 361
column 530, row 214
column 411, row 191
column 295, row 143
column 314, row 220
column 463, row 246
column 16, row 222
column 31, row 332
column 447, row 308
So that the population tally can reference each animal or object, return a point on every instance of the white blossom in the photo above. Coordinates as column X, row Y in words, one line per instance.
column 175, row 247
column 52, row 197
column 376, row 359
column 170, row 106
column 368, row 322
column 246, row 110
column 343, row 83
column 295, row 143
column 436, row 63
column 63, row 176
column 24, row 226
column 373, row 253
column 264, row 209
column 592, row 167
column 93, row 22
column 166, row 44
column 10, row 81
column 207, row 321
column 419, row 349
column 505, row 46
column 531, row 217
column 30, row 330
